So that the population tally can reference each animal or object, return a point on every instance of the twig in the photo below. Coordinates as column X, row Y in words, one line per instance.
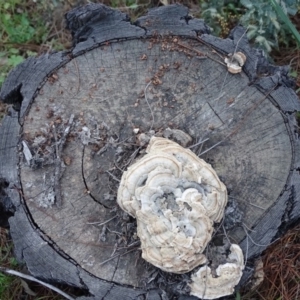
column 201, row 53
column 257, row 206
column 212, row 147
column 248, row 227
column 109, row 259
column 100, row 224
column 27, row 152
column 242, row 121
column 145, row 93
column 116, row 165
column 31, row 278
column 237, row 44
column 57, row 172
column 254, row 205
column 77, row 69
column 132, row 157
column 206, row 44
column 226, row 234
column 66, row 132
column 191, row 49
column 199, row 143
column 113, row 176
column 58, row 162
column 259, row 245
column 247, row 249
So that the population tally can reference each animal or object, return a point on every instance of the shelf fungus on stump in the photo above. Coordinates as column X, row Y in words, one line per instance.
column 228, row 275
column 175, row 197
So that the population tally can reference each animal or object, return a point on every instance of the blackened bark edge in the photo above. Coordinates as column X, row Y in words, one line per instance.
column 267, row 77
column 91, row 26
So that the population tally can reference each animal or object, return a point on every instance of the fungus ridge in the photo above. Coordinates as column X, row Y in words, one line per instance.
column 206, row 286
column 175, row 197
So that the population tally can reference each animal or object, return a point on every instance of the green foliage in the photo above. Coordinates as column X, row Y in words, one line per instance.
column 125, row 3
column 267, row 21
column 281, row 11
column 265, row 27
column 238, row 295
column 5, row 282
column 21, row 24
column 13, row 262
column 220, row 15
column 16, row 28
column 298, row 117
column 15, row 24
column 9, row 58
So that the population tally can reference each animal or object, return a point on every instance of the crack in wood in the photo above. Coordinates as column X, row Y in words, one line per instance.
column 85, row 183
column 108, row 291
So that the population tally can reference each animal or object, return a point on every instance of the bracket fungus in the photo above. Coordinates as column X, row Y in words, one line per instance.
column 175, row 197
column 235, row 62
column 205, row 286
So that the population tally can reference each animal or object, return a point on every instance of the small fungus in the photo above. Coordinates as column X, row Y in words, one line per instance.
column 235, row 62
column 178, row 135
column 228, row 275
column 136, row 130
column 175, row 197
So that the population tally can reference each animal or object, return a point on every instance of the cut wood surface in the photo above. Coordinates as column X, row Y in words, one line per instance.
column 80, row 124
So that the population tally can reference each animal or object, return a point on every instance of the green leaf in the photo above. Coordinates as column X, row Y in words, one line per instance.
column 275, row 23
column 13, row 262
column 286, row 20
column 30, row 53
column 283, row 7
column 293, row 74
column 252, row 33
column 261, row 40
column 247, row 3
column 6, row 17
column 13, row 51
column 14, row 60
column 5, row 281
column 133, row 6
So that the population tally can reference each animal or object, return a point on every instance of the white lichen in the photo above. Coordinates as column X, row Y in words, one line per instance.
column 175, row 197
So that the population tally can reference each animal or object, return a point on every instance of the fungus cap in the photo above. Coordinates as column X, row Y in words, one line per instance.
column 205, row 286
column 235, row 62
column 175, row 197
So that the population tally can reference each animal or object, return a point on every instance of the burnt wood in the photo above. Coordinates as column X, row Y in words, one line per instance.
column 64, row 146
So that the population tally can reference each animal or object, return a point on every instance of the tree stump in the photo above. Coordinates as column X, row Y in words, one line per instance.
column 78, row 122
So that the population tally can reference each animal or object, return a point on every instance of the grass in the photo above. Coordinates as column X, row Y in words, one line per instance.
column 15, row 288
column 29, row 28
column 37, row 26
column 9, row 286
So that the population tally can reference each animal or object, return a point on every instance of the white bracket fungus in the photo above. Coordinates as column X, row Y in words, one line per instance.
column 175, row 197
column 205, row 286
column 235, row 62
